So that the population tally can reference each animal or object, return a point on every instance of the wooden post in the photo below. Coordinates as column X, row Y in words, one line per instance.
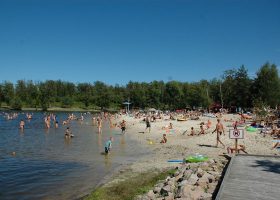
column 236, row 145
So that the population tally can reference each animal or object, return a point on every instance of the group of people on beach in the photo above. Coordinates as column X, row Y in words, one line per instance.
column 219, row 130
column 98, row 120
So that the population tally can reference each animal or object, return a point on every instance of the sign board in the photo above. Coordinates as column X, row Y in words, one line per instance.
column 236, row 134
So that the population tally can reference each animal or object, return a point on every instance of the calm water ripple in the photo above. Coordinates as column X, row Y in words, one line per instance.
column 47, row 166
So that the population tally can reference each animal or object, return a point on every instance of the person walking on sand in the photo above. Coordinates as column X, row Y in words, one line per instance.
column 148, row 124
column 219, row 129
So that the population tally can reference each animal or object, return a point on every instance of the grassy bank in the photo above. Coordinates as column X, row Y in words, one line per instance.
column 129, row 188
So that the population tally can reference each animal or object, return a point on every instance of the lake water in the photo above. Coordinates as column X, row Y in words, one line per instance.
column 48, row 166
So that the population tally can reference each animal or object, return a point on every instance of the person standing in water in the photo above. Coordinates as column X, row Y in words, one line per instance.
column 93, row 121
column 108, row 145
column 219, row 129
column 99, row 125
column 21, row 124
column 55, row 119
column 123, row 126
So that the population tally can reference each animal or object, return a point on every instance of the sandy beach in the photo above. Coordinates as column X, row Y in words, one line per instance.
column 180, row 146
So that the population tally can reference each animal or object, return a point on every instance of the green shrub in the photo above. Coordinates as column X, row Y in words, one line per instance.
column 16, row 104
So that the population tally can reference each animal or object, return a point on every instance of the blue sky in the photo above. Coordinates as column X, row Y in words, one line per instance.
column 140, row 40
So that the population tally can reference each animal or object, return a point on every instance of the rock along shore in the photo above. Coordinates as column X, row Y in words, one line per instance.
column 191, row 181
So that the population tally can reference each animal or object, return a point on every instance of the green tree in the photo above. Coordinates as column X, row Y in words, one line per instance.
column 16, row 104
column 236, row 88
column 118, row 95
column 1, row 94
column 173, row 95
column 214, row 90
column 155, row 94
column 197, row 96
column 243, row 84
column 204, row 97
column 227, row 88
column 267, row 85
column 8, row 92
column 21, row 91
column 103, row 94
column 84, row 93
column 67, row 102
column 32, row 92
column 51, row 91
column 137, row 93
column 44, row 97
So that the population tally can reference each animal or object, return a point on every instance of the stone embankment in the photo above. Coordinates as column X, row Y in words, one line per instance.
column 191, row 181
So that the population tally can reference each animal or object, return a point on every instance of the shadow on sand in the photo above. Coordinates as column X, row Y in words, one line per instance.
column 268, row 165
column 206, row 145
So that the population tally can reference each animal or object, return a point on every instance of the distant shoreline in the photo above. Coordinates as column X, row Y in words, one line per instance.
column 58, row 109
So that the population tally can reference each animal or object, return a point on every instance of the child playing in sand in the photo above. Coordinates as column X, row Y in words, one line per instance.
column 202, row 131
column 164, row 139
column 192, row 132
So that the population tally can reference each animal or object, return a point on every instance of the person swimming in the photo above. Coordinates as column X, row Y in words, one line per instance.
column 68, row 133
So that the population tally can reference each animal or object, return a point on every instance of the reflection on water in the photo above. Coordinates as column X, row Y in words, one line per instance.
column 107, row 161
column 48, row 166
column 122, row 143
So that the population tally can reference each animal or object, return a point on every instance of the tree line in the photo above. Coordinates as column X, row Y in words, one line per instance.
column 235, row 88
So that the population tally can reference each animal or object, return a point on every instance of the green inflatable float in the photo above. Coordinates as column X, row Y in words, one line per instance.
column 196, row 158
column 251, row 129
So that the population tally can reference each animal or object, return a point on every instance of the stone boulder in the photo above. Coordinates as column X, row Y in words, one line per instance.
column 193, row 179
column 200, row 172
column 185, row 191
column 188, row 173
column 165, row 190
column 151, row 195
column 210, row 177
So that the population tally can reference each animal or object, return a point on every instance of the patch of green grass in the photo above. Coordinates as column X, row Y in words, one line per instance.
column 130, row 188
